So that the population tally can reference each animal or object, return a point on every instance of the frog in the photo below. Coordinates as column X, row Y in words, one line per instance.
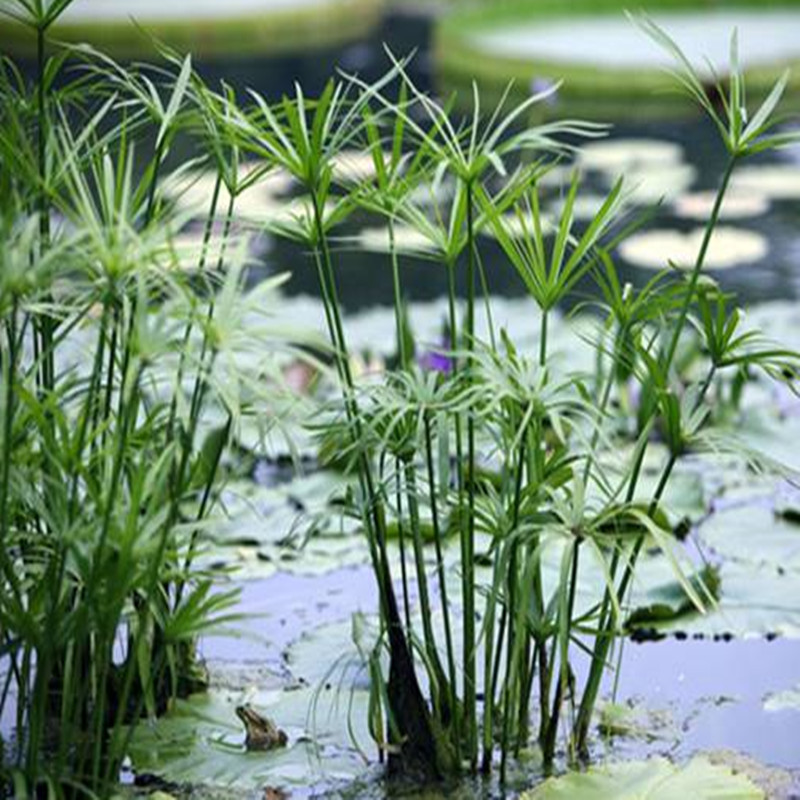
column 262, row 733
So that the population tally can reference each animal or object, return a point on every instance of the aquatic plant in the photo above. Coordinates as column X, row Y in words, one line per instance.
column 503, row 449
column 110, row 465
column 111, row 352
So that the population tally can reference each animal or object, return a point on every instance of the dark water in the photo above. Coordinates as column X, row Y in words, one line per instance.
column 365, row 278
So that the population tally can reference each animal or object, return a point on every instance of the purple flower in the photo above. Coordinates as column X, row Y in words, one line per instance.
column 540, row 85
column 437, row 360
column 431, row 361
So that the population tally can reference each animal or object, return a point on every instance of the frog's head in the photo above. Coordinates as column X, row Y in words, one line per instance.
column 262, row 733
column 251, row 719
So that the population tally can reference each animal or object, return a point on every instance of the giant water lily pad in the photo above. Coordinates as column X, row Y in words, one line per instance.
column 190, row 249
column 650, row 185
column 730, row 247
column 260, row 200
column 753, row 601
column 406, row 240
column 632, row 721
column 654, row 779
column 754, row 534
column 622, row 155
column 201, row 740
column 737, row 204
column 778, row 181
column 584, row 208
column 355, row 166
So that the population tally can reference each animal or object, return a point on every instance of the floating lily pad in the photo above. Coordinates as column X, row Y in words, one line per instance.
column 754, row 601
column 730, row 247
column 354, row 166
column 669, row 602
column 654, row 779
column 754, row 534
column 189, row 247
column 406, row 240
column 622, row 155
column 778, row 181
column 786, row 700
column 261, row 200
column 633, row 721
column 737, row 204
column 201, row 740
column 329, row 653
column 775, row 782
column 649, row 185
column 584, row 208
column 518, row 226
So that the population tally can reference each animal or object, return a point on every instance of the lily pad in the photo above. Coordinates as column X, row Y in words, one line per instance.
column 633, row 721
column 354, row 166
column 653, row 184
column 730, row 247
column 190, row 246
column 622, row 155
column 201, row 741
column 737, row 204
column 654, row 779
column 406, row 240
column 777, row 181
column 194, row 192
column 786, row 700
column 754, row 534
column 584, row 208
column 668, row 602
column 753, row 601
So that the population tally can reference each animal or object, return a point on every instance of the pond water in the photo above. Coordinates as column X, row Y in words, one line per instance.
column 702, row 694
column 766, row 36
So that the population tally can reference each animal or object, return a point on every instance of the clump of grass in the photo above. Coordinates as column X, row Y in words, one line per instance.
column 110, row 352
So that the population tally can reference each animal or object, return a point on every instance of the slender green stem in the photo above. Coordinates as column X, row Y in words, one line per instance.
column 491, row 665
column 513, row 578
column 201, row 511
column 468, row 545
column 209, row 226
column 486, row 299
column 601, row 412
column 426, row 610
column 437, row 539
column 698, row 267
column 10, row 364
column 561, row 690
column 543, row 340
column 401, row 536
column 46, row 322
column 605, row 637
column 398, row 300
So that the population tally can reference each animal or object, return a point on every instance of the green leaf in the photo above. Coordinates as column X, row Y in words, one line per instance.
column 655, row 779
column 670, row 602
